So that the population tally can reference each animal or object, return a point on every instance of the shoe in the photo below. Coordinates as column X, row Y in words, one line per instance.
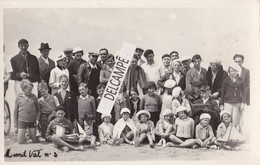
column 151, row 145
column 170, row 144
column 65, row 149
column 213, row 147
column 195, row 146
column 80, row 148
column 160, row 143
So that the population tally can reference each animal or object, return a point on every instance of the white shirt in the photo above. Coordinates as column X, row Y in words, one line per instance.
column 46, row 60
column 152, row 72
column 92, row 66
column 177, row 77
column 205, row 100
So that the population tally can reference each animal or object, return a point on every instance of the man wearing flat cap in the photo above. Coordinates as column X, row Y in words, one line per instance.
column 69, row 54
column 166, row 65
column 45, row 63
column 25, row 66
column 151, row 69
column 89, row 72
column 139, row 52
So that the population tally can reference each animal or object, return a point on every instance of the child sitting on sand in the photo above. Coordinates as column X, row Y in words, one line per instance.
column 204, row 132
column 145, row 127
column 105, row 130
column 124, row 129
column 227, row 135
column 164, row 127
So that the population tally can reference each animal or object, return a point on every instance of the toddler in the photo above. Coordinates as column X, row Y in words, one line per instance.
column 105, row 130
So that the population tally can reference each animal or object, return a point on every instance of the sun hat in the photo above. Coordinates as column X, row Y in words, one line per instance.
column 234, row 66
column 176, row 91
column 167, row 112
column 123, row 110
column 139, row 113
column 77, row 49
column 181, row 108
column 169, row 83
column 223, row 112
column 205, row 116
column 105, row 115
column 60, row 57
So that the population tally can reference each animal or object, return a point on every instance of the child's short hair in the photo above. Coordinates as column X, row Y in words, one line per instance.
column 101, row 85
column 83, row 85
column 25, row 83
column 111, row 56
column 204, row 88
column 60, row 107
column 42, row 86
column 63, row 76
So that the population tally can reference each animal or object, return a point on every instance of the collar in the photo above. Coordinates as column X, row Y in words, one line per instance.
column 92, row 66
column 202, row 127
column 205, row 100
column 82, row 97
column 45, row 60
column 67, row 90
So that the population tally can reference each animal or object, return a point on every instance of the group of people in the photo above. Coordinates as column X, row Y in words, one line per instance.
column 171, row 104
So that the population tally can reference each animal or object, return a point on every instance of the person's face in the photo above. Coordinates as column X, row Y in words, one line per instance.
column 174, row 56
column 196, row 63
column 93, row 59
column 214, row 67
column 100, row 91
column 138, row 53
column 149, row 58
column 166, row 61
column 125, row 116
column 239, row 61
column 205, row 122
column 205, row 94
column 68, row 54
column 186, row 64
column 134, row 63
column 23, row 47
column 110, row 62
column 64, row 83
column 151, row 91
column 182, row 115
column 103, row 55
column 60, row 115
column 83, row 91
column 28, row 90
column 62, row 62
column 78, row 55
column 176, row 66
column 107, row 119
column 167, row 118
column 233, row 72
column 226, row 118
column 143, row 118
column 133, row 95
column 44, row 92
column 45, row 53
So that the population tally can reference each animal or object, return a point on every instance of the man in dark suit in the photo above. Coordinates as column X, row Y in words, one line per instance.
column 103, row 56
column 45, row 63
column 25, row 66
column 244, row 74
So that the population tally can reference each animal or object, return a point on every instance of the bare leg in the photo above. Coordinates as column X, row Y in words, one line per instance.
column 150, row 139
column 93, row 142
column 188, row 143
column 21, row 136
column 142, row 136
column 222, row 145
column 175, row 139
column 33, row 135
column 59, row 142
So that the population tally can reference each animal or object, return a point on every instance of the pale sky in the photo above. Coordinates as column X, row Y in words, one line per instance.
column 205, row 31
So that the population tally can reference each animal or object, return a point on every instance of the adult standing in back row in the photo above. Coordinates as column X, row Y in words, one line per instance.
column 45, row 64
column 88, row 73
column 25, row 66
column 195, row 78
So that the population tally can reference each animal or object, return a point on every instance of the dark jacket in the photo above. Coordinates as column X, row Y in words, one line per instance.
column 83, row 73
column 167, row 76
column 216, row 86
column 245, row 75
column 29, row 65
column 70, row 103
column 45, row 69
column 232, row 92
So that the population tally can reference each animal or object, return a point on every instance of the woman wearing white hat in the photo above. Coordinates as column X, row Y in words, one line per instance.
column 73, row 68
column 233, row 95
column 56, row 72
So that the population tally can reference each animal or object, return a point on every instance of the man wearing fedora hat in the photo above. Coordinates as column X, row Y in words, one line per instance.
column 25, row 66
column 45, row 63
